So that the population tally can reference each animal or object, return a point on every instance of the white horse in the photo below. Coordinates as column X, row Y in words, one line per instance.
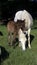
column 24, row 15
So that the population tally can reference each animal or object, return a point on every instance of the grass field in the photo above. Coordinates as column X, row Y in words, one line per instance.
column 17, row 56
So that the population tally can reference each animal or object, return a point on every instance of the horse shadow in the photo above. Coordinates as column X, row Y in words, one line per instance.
column 3, row 54
column 1, row 34
column 31, row 39
column 35, row 27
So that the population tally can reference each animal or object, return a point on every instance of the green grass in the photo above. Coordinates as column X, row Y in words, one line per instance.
column 17, row 56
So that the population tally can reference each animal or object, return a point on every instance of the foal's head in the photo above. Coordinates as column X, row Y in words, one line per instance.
column 20, row 24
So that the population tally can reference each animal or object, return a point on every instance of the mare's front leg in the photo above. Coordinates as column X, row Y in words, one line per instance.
column 29, row 38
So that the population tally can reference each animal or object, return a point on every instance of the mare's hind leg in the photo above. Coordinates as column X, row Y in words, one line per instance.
column 29, row 38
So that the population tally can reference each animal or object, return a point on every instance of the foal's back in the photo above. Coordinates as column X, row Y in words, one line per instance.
column 11, row 26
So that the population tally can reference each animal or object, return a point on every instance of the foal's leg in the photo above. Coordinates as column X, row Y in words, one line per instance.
column 19, row 41
column 29, row 38
column 9, row 38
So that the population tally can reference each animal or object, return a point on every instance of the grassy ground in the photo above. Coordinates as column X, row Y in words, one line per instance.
column 17, row 56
